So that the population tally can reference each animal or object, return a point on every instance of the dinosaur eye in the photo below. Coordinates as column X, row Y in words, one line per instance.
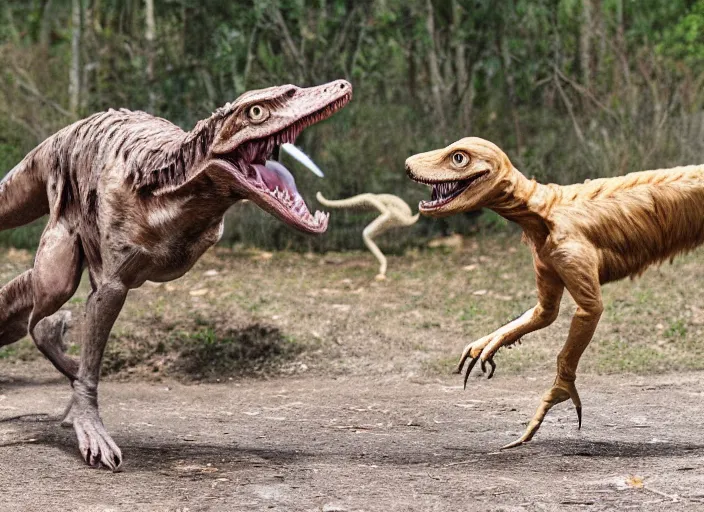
column 257, row 113
column 459, row 158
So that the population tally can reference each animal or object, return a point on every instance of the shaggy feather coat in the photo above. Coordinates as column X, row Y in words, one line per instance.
column 580, row 235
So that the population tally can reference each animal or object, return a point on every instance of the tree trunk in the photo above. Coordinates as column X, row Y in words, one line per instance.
column 150, row 36
column 585, row 44
column 411, row 67
column 509, row 80
column 436, row 82
column 74, row 83
column 45, row 30
column 463, row 78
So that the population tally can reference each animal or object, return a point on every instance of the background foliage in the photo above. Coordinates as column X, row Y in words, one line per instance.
column 569, row 88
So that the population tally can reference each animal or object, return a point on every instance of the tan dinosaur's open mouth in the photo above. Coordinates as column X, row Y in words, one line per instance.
column 271, row 185
column 444, row 192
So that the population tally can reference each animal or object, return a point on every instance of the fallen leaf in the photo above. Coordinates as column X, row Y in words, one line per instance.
column 263, row 255
column 634, row 481
column 452, row 242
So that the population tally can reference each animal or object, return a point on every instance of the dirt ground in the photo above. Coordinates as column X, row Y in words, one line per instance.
column 356, row 443
column 298, row 382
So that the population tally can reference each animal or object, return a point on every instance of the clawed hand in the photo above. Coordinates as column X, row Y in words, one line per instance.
column 471, row 365
column 485, row 349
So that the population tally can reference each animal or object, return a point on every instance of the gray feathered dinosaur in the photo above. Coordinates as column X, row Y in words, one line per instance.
column 133, row 198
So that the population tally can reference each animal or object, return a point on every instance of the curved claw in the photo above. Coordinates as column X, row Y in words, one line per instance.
column 464, row 357
column 95, row 444
column 560, row 391
column 469, row 370
column 493, row 367
column 517, row 442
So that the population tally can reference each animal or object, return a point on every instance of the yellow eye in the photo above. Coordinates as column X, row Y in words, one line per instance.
column 256, row 113
column 460, row 159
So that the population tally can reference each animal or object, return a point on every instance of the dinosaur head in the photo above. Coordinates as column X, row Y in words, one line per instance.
column 250, row 133
column 466, row 175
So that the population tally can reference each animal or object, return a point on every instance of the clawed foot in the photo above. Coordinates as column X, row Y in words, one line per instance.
column 561, row 391
column 96, row 446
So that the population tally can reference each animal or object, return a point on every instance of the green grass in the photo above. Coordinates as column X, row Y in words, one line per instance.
column 264, row 315
column 677, row 329
column 23, row 350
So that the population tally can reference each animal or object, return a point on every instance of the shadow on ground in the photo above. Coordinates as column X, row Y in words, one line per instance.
column 153, row 455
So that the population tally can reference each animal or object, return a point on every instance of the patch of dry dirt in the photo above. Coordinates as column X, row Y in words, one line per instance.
column 361, row 444
column 355, row 408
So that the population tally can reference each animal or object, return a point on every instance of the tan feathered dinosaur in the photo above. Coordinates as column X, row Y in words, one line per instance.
column 395, row 212
column 581, row 236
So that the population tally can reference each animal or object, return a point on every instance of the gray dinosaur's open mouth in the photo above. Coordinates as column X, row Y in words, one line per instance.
column 442, row 193
column 270, row 185
column 274, row 179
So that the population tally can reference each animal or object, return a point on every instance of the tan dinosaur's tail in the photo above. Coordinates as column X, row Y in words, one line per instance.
column 362, row 202
column 23, row 195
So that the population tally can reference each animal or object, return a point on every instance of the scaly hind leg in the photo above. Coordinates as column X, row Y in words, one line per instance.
column 96, row 445
column 55, row 278
column 16, row 302
column 15, row 307
column 579, row 273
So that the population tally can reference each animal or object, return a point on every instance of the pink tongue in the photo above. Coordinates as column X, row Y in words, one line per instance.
column 276, row 175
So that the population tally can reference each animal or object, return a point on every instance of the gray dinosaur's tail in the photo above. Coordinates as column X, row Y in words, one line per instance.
column 361, row 202
column 23, row 195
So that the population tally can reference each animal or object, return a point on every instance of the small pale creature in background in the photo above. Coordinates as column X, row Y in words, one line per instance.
column 395, row 212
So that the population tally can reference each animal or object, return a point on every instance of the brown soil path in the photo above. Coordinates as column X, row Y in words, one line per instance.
column 356, row 443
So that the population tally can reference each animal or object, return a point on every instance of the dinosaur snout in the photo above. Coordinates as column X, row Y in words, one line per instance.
column 409, row 168
column 415, row 169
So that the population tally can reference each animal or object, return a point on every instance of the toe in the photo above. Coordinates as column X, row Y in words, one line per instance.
column 469, row 370
column 95, row 444
column 517, row 442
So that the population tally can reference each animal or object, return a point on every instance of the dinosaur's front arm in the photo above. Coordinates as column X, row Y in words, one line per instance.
column 544, row 313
